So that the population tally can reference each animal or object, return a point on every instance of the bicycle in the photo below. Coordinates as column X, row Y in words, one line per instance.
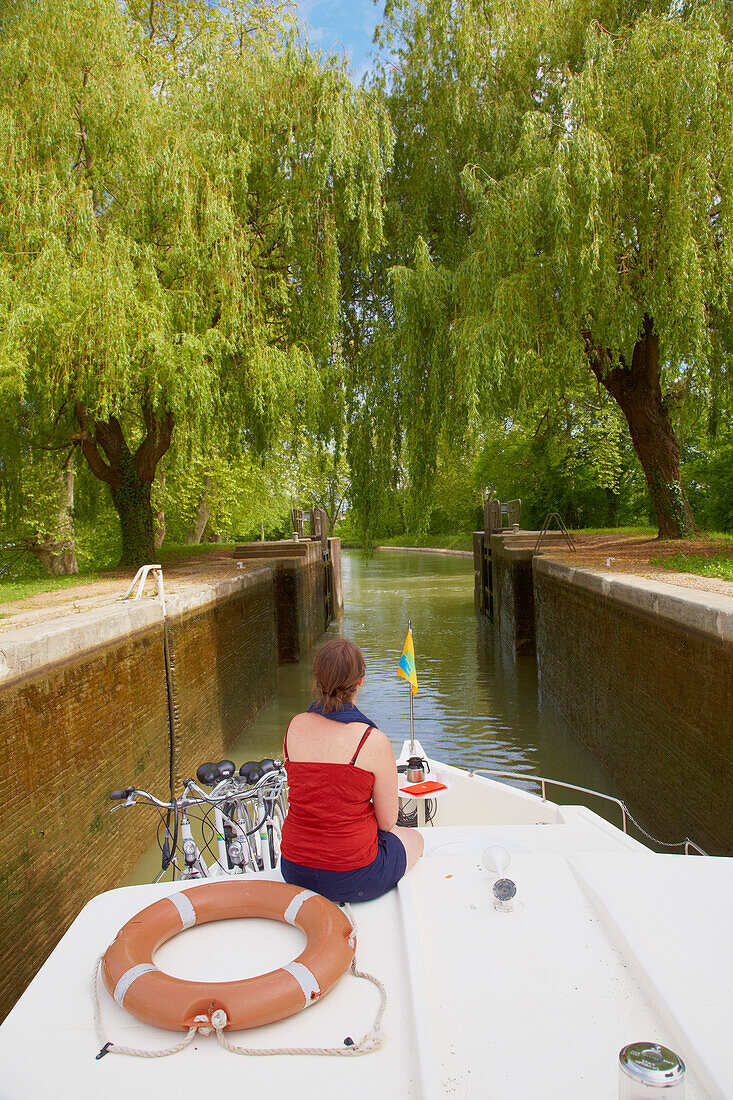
column 257, row 801
column 248, row 809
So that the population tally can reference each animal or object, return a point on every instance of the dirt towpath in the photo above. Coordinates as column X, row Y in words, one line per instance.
column 87, row 594
column 611, row 553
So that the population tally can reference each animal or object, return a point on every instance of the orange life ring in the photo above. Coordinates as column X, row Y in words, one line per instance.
column 157, row 998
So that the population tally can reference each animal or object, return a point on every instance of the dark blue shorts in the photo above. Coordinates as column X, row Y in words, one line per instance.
column 362, row 884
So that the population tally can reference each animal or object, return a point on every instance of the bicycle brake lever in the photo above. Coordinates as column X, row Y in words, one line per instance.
column 129, row 801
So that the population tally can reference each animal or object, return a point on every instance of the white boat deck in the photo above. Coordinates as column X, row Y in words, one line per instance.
column 607, row 944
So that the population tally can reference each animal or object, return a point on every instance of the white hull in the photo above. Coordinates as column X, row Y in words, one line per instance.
column 608, row 944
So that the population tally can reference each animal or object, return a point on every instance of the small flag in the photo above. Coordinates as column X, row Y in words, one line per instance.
column 406, row 666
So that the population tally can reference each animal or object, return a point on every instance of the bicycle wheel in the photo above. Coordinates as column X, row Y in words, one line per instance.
column 245, row 815
column 274, row 833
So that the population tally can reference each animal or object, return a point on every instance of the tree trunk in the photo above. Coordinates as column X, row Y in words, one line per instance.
column 129, row 476
column 638, row 391
column 201, row 515
column 131, row 498
column 613, row 500
column 160, row 519
column 57, row 553
column 57, row 560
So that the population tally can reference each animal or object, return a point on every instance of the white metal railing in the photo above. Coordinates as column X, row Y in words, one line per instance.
column 687, row 844
column 141, row 577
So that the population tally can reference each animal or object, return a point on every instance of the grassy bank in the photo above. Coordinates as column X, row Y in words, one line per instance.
column 461, row 541
column 716, row 565
column 13, row 590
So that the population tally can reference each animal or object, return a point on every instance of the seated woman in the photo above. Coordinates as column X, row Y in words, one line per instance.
column 340, row 837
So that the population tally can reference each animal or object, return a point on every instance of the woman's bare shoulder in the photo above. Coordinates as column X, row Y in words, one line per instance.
column 378, row 745
column 306, row 720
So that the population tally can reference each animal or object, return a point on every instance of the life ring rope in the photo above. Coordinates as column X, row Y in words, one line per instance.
column 369, row 1042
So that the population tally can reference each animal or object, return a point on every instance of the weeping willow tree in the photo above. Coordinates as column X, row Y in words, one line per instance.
column 414, row 401
column 587, row 234
column 174, row 29
column 169, row 260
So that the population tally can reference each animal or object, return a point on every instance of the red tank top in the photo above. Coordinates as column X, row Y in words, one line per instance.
column 330, row 823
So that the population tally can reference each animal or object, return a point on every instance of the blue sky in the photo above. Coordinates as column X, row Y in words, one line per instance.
column 342, row 26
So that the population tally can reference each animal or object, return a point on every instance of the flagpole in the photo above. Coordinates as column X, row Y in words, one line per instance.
column 412, row 727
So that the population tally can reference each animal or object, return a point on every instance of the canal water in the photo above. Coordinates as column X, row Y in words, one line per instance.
column 476, row 704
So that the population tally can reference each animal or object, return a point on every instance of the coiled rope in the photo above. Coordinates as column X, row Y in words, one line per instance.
column 370, row 1041
column 114, row 1048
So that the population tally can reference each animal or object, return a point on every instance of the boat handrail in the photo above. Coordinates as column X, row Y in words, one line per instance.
column 687, row 844
column 543, row 780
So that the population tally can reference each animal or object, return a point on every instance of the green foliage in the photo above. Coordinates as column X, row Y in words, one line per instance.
column 456, row 496
column 577, row 460
column 709, row 478
column 174, row 29
column 31, row 513
column 374, row 436
column 561, row 176
column 171, row 234
column 241, row 492
column 620, row 179
column 321, row 476
column 717, row 565
column 202, row 221
column 188, row 246
column 446, row 541
column 31, row 504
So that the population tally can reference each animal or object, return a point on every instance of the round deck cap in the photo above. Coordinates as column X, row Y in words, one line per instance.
column 652, row 1064
column 504, row 889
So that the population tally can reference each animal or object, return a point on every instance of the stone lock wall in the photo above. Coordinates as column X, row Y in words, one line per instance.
column 84, row 710
column 503, row 589
column 640, row 670
column 225, row 669
column 300, row 597
column 643, row 672
column 68, row 739
column 301, row 577
column 334, row 548
column 513, row 594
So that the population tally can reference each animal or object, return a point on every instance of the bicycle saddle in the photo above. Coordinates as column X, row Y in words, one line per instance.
column 206, row 774
column 246, row 770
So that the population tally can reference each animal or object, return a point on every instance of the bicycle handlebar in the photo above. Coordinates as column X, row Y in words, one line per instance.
column 131, row 793
column 190, row 784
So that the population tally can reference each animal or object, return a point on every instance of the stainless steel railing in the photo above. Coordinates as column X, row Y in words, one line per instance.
column 687, row 844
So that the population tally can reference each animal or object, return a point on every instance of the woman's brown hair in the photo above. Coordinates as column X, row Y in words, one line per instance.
column 338, row 667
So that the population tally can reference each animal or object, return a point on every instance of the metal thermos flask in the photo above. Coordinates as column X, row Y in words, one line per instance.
column 415, row 769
